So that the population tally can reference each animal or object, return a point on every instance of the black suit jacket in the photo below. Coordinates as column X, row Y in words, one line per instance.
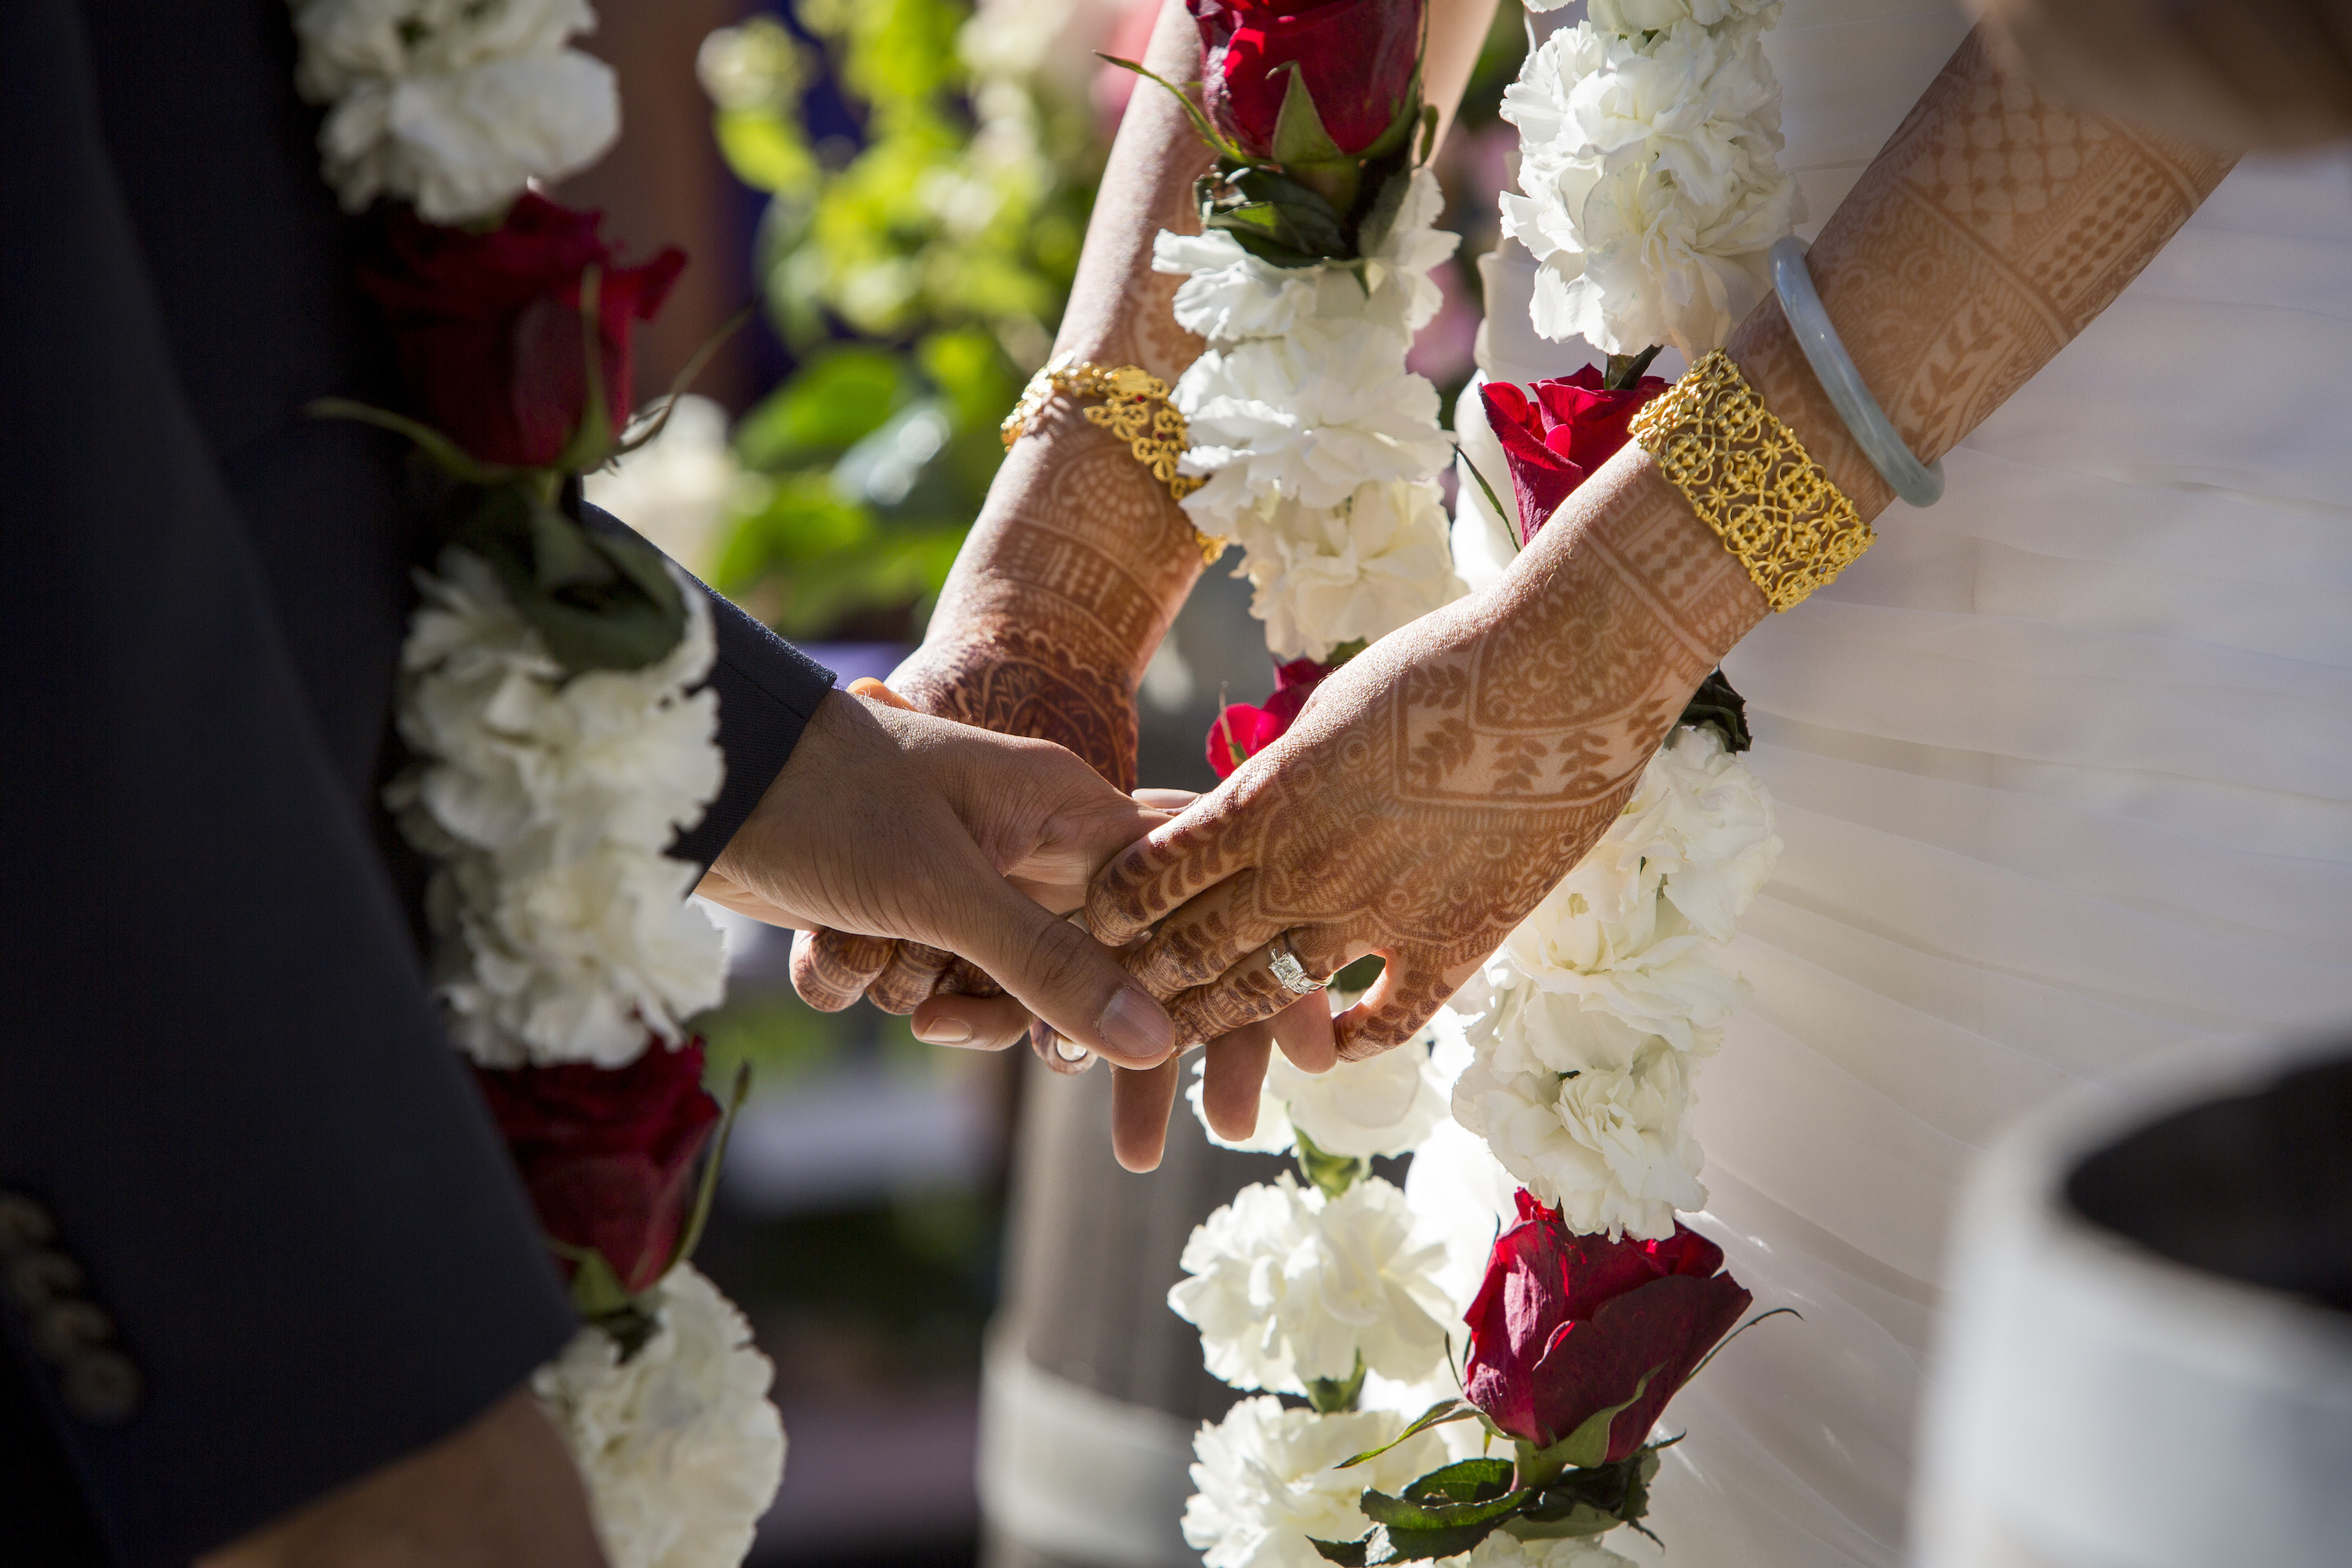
column 223, row 1091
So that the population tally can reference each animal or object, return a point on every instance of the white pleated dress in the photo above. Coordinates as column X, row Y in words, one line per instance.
column 2063, row 766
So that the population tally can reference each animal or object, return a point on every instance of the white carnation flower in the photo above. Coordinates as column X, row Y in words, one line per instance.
column 1588, row 1114
column 1287, row 1286
column 1231, row 295
column 574, row 958
column 1704, row 822
column 1323, row 576
column 1381, row 1106
column 1310, row 417
column 1651, row 183
column 1629, row 18
column 1401, row 247
column 453, row 104
column 1501, row 1549
column 1617, row 935
column 553, row 802
column 1267, row 1481
column 680, row 1449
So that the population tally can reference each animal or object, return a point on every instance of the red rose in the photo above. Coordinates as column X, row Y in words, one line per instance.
column 1555, row 439
column 1242, row 731
column 1357, row 56
column 608, row 1154
column 488, row 325
column 1566, row 1326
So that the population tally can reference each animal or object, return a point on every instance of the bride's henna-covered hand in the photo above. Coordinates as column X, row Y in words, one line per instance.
column 1438, row 785
column 1441, row 783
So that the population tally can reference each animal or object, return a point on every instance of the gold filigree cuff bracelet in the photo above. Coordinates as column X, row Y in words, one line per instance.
column 1135, row 408
column 1751, row 480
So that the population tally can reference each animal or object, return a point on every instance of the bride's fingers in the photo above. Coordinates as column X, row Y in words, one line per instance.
column 1304, row 1032
column 831, row 969
column 912, row 974
column 1231, row 1076
column 1204, row 938
column 1251, row 991
column 1173, row 863
column 1401, row 1002
column 969, row 1023
column 1139, row 1104
column 1166, row 799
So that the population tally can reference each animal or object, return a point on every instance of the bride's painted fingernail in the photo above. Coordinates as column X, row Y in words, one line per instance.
column 944, row 1032
column 1069, row 1050
column 1134, row 1026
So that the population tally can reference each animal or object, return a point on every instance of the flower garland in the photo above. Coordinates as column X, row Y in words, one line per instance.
column 1651, row 188
column 1318, row 450
column 549, row 696
column 1651, row 197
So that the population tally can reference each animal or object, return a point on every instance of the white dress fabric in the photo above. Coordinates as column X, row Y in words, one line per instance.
column 2063, row 766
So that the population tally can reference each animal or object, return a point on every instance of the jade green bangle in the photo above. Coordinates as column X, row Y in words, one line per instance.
column 1921, row 484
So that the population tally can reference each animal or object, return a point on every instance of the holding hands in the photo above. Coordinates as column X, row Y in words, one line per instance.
column 890, row 824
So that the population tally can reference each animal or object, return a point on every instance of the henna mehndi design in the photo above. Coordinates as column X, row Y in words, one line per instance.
column 1410, row 811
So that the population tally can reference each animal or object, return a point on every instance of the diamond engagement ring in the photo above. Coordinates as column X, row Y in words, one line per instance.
column 1289, row 971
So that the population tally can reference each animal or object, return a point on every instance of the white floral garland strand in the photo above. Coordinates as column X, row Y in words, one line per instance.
column 1650, row 140
column 551, row 802
column 1320, row 449
column 1599, row 1007
column 453, row 105
column 1653, row 192
column 1582, row 1032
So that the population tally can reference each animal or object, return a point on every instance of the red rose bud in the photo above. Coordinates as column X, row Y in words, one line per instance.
column 1357, row 59
column 1567, row 1327
column 608, row 1154
column 1242, row 731
column 489, row 331
column 1556, row 439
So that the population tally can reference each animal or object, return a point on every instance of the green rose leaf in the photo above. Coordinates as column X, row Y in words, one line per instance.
column 1438, row 1414
column 1464, row 1481
column 1408, row 1513
column 602, row 602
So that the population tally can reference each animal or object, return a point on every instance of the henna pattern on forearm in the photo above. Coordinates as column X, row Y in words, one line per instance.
column 1994, row 227
column 1478, row 755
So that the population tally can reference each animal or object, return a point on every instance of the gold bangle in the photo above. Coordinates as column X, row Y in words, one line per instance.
column 1751, row 480
column 1135, row 408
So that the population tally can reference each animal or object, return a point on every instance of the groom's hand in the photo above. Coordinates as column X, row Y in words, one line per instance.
column 888, row 825
column 500, row 1493
column 999, row 674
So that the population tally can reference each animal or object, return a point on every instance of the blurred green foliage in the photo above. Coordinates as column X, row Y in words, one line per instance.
column 917, row 277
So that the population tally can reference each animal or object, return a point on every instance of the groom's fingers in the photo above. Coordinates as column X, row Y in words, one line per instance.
column 1231, row 1077
column 970, row 1023
column 1140, row 1104
column 1053, row 967
column 1304, row 1032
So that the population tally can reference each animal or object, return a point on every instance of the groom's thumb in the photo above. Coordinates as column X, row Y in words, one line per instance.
column 1065, row 978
